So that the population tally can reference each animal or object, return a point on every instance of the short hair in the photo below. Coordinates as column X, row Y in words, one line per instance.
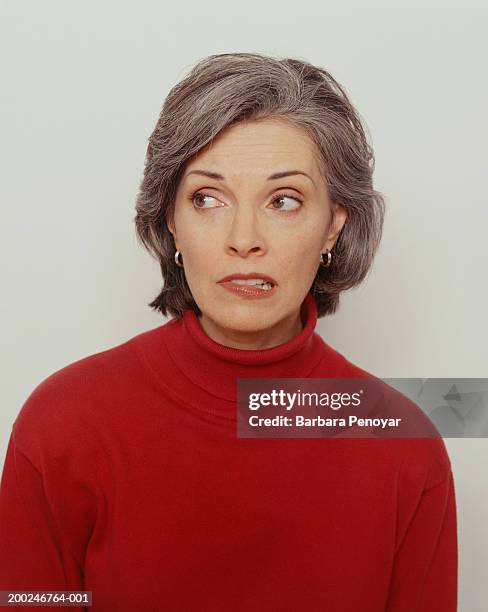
column 225, row 89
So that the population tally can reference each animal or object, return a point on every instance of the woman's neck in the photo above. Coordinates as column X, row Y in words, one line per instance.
column 281, row 332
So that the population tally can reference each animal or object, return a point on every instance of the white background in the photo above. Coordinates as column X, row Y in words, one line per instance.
column 82, row 87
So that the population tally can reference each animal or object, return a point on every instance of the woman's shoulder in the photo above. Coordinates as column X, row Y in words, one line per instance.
column 420, row 455
column 69, row 404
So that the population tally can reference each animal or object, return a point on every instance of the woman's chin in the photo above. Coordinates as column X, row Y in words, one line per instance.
column 247, row 316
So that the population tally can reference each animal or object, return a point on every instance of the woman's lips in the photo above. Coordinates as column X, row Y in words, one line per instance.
column 248, row 291
column 249, row 276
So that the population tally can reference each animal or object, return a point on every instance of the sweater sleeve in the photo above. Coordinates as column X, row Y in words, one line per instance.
column 424, row 575
column 34, row 554
column 47, row 508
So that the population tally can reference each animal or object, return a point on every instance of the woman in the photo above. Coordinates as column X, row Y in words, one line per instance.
column 124, row 475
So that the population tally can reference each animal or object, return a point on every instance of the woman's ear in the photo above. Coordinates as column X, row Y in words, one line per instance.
column 170, row 225
column 338, row 220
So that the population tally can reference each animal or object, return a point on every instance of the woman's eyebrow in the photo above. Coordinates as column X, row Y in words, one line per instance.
column 276, row 175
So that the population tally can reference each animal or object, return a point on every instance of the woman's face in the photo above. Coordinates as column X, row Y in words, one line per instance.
column 232, row 216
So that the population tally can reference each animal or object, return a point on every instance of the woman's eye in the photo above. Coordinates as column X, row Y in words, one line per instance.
column 295, row 202
column 201, row 196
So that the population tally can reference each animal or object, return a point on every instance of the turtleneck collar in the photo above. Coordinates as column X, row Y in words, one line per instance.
column 203, row 372
column 207, row 347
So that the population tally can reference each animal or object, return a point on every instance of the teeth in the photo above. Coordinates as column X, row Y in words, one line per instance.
column 257, row 282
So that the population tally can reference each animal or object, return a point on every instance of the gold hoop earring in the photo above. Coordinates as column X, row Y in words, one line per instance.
column 329, row 259
column 177, row 260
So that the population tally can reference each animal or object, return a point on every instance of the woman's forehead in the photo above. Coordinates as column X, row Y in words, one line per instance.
column 261, row 150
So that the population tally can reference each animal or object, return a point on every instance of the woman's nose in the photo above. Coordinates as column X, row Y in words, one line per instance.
column 244, row 235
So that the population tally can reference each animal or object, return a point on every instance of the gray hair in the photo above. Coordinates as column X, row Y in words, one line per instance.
column 227, row 88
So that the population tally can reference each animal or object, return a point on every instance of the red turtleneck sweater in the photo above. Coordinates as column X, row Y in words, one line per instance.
column 124, row 476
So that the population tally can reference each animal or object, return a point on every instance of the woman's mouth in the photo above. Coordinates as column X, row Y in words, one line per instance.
column 249, row 287
column 253, row 282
